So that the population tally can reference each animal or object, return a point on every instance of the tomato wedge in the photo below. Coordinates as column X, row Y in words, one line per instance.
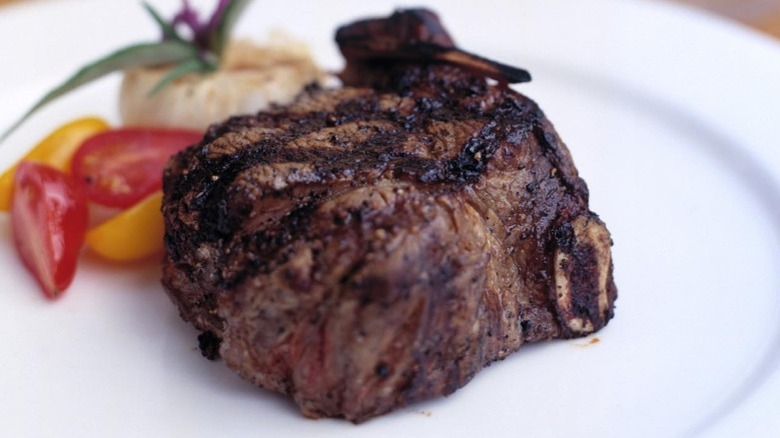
column 135, row 234
column 48, row 219
column 118, row 168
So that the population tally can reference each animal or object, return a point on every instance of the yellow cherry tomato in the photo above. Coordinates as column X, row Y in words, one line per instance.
column 134, row 234
column 55, row 150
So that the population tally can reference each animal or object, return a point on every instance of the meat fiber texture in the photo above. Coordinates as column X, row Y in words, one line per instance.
column 376, row 245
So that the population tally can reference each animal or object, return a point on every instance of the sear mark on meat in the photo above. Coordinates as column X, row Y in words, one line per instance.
column 371, row 246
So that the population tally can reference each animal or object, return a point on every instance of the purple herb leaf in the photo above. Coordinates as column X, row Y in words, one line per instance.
column 188, row 17
column 217, row 15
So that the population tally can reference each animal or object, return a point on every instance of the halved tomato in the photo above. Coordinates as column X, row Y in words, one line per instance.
column 56, row 150
column 49, row 220
column 118, row 168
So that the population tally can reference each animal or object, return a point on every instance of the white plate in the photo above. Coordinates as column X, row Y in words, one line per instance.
column 672, row 120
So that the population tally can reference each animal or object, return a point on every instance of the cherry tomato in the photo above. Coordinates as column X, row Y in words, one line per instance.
column 118, row 168
column 56, row 150
column 134, row 234
column 48, row 220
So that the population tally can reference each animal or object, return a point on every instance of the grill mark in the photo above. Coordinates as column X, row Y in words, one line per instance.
column 477, row 153
column 266, row 248
column 555, row 155
column 378, row 156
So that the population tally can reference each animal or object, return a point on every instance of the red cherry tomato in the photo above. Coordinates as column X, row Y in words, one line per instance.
column 49, row 219
column 118, row 168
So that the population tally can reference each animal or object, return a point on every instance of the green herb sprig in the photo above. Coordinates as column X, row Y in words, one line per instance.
column 200, row 53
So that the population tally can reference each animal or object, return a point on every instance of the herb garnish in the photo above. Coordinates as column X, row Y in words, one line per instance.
column 200, row 53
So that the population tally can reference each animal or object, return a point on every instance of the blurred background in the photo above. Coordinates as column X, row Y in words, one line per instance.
column 763, row 15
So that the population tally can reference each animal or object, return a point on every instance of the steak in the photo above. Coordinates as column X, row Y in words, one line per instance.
column 378, row 244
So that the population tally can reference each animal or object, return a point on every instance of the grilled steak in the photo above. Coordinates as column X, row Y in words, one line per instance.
column 378, row 244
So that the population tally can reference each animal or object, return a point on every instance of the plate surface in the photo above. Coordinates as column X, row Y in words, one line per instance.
column 671, row 119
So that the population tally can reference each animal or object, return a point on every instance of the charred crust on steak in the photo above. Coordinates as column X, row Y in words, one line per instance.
column 208, row 343
column 414, row 35
column 375, row 245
